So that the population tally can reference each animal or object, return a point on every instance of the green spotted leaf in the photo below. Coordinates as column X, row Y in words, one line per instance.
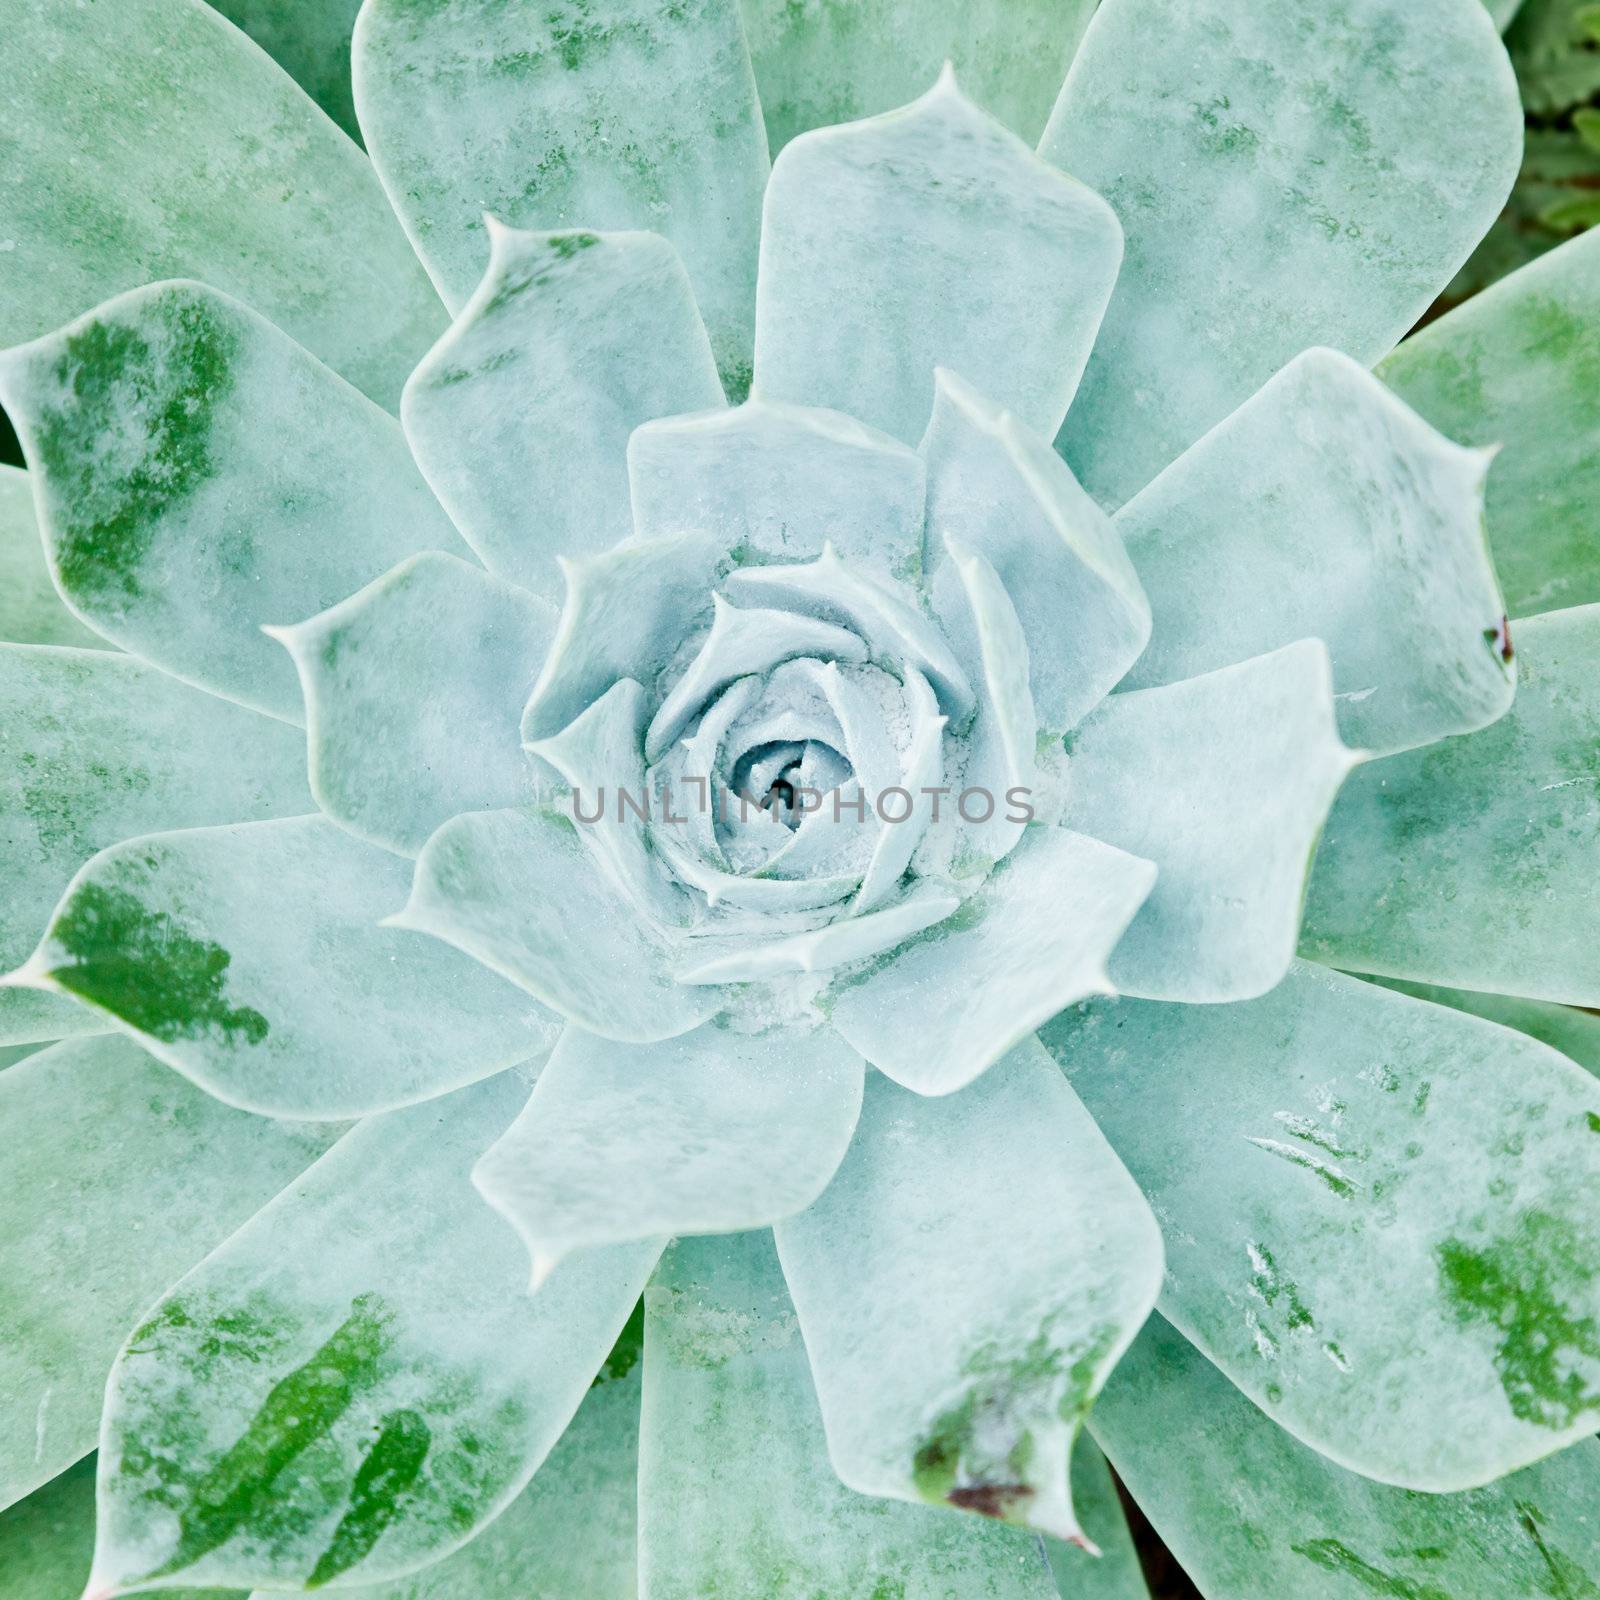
column 1286, row 175
column 252, row 960
column 119, row 1176
column 99, row 747
column 571, row 1534
column 357, row 1381
column 604, row 114
column 737, row 1497
column 964, row 1286
column 121, row 163
column 1252, row 1514
column 1497, row 828
column 1518, row 366
column 1381, row 1218
column 183, row 500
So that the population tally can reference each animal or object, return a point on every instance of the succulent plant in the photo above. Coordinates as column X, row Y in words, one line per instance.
column 662, row 807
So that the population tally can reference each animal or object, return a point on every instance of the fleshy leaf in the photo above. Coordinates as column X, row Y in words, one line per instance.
column 710, row 1132
column 357, row 1381
column 500, row 884
column 891, row 627
column 414, row 691
column 1287, row 175
column 777, row 483
column 571, row 1534
column 601, row 754
column 1223, row 781
column 47, row 1542
column 119, row 1177
column 1323, row 507
column 624, row 615
column 1383, row 1225
column 1519, row 366
column 1000, row 492
column 184, row 501
column 29, row 1019
column 1252, row 1514
column 99, row 747
column 1109, row 1569
column 611, row 114
column 927, row 237
column 1033, row 939
column 738, row 958
column 1575, row 1033
column 744, row 640
column 31, row 611
column 818, row 64
column 123, row 163
column 310, row 40
column 980, row 619
column 520, row 415
column 1500, row 826
column 736, row 1493
column 964, row 1286
column 251, row 959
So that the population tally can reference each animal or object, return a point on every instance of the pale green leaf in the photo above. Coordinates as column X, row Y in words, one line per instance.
column 625, row 613
column 928, row 237
column 571, row 1534
column 357, row 1381
column 711, row 1132
column 47, row 1543
column 184, row 500
column 1324, row 508
column 1287, row 175
column 818, row 62
column 886, row 621
column 31, row 611
column 1111, row 1570
column 98, row 747
column 964, row 1286
column 622, row 114
column 737, row 1497
column 776, row 483
column 999, row 491
column 1471, row 863
column 1379, row 1213
column 150, row 139
column 251, row 959
column 310, row 40
column 1224, row 781
column 500, row 885
column 1518, row 366
column 29, row 1018
column 1251, row 1514
column 414, row 690
column 119, row 1176
column 1575, row 1033
column 520, row 415
column 1033, row 939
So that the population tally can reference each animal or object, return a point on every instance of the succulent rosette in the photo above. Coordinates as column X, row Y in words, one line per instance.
column 597, row 715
